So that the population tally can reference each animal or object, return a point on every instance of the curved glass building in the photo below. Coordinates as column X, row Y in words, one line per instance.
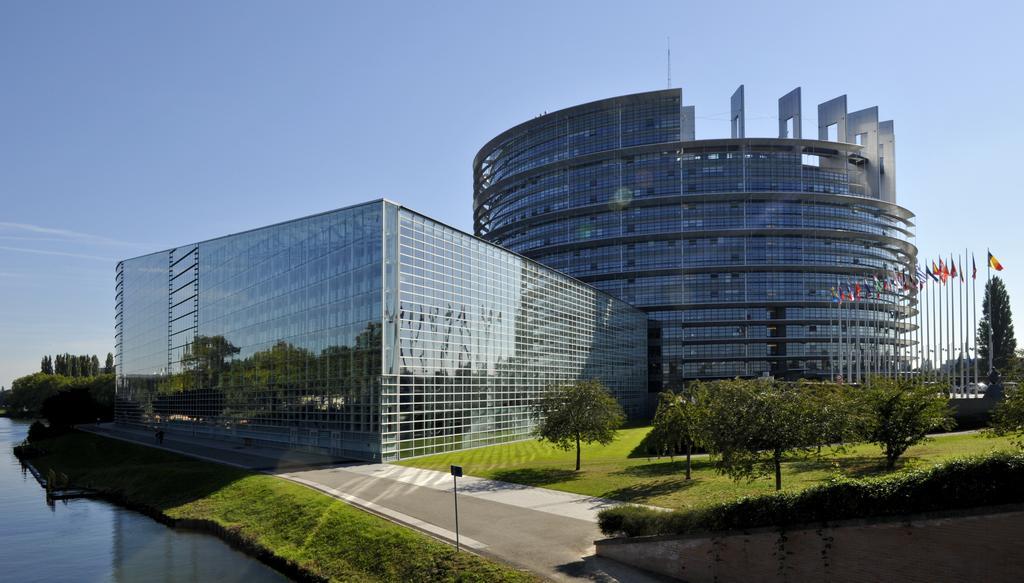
column 737, row 249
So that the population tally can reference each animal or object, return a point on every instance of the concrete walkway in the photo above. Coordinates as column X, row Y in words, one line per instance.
column 548, row 532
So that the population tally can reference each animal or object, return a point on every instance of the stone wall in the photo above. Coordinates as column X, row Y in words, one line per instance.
column 980, row 546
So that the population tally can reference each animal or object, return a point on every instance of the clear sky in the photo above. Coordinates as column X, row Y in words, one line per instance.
column 129, row 127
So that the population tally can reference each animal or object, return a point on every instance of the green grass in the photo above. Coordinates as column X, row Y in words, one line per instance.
column 323, row 536
column 608, row 471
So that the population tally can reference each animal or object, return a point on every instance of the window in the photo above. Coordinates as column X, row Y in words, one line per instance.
column 832, row 132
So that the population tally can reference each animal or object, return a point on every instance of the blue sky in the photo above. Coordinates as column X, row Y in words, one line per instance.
column 128, row 127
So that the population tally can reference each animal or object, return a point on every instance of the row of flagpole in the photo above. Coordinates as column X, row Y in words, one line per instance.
column 903, row 325
column 869, row 325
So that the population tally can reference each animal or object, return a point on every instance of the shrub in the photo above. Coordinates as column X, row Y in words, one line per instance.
column 38, row 432
column 964, row 483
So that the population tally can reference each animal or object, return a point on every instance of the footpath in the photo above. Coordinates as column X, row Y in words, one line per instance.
column 548, row 532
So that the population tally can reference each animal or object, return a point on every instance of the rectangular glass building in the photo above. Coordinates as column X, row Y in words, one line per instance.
column 370, row 332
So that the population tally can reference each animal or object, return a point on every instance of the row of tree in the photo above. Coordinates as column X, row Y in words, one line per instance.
column 750, row 426
column 60, row 397
column 76, row 365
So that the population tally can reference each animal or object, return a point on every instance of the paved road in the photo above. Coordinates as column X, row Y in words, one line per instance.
column 548, row 532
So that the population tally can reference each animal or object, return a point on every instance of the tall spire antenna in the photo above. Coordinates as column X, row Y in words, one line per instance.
column 668, row 49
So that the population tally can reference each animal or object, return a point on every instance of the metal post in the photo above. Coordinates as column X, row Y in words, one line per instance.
column 456, row 474
column 986, row 295
column 974, row 319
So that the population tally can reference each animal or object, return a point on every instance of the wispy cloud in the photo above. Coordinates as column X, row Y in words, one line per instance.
column 58, row 253
column 61, row 234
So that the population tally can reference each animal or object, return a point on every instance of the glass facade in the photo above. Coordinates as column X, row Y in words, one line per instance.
column 731, row 246
column 368, row 333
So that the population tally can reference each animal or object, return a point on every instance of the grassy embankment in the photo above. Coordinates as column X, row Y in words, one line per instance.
column 306, row 533
column 611, row 472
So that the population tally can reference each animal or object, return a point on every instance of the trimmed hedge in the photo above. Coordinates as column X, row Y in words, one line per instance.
column 963, row 483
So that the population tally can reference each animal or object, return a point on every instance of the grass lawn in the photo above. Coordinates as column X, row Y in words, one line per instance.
column 608, row 471
column 320, row 534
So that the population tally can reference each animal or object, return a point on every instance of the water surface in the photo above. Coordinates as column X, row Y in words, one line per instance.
column 91, row 540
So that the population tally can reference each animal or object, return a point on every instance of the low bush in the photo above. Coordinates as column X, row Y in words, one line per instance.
column 38, row 432
column 964, row 483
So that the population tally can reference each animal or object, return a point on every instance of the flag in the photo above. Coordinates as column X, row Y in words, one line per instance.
column 952, row 269
column 974, row 268
column 962, row 271
column 994, row 262
column 943, row 271
column 857, row 290
column 931, row 272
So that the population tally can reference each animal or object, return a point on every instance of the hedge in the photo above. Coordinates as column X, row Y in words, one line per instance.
column 962, row 483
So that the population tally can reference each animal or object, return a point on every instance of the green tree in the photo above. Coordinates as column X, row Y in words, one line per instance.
column 997, row 317
column 573, row 414
column 108, row 366
column 94, row 365
column 898, row 413
column 1008, row 414
column 750, row 425
column 677, row 425
column 832, row 411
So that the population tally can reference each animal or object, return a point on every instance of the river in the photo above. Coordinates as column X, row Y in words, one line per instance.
column 91, row 540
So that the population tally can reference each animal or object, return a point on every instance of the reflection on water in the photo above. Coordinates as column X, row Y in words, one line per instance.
column 89, row 540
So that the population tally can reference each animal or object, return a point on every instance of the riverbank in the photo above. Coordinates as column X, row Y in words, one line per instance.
column 303, row 533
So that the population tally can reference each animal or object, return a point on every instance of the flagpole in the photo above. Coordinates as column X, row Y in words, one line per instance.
column 929, row 326
column 916, row 336
column 949, row 328
column 839, row 329
column 988, row 282
column 963, row 329
column 921, row 330
column 974, row 317
column 940, row 350
column 860, row 338
column 874, row 340
column 832, row 333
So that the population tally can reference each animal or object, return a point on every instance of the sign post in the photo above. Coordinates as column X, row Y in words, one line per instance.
column 456, row 474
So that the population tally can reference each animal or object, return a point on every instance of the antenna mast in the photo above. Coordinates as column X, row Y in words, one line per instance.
column 668, row 49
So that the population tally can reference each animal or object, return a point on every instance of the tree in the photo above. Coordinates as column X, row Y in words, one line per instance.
column 1008, row 414
column 46, row 366
column 832, row 411
column 749, row 425
column 677, row 424
column 899, row 413
column 108, row 366
column 94, row 366
column 572, row 414
column 996, row 315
